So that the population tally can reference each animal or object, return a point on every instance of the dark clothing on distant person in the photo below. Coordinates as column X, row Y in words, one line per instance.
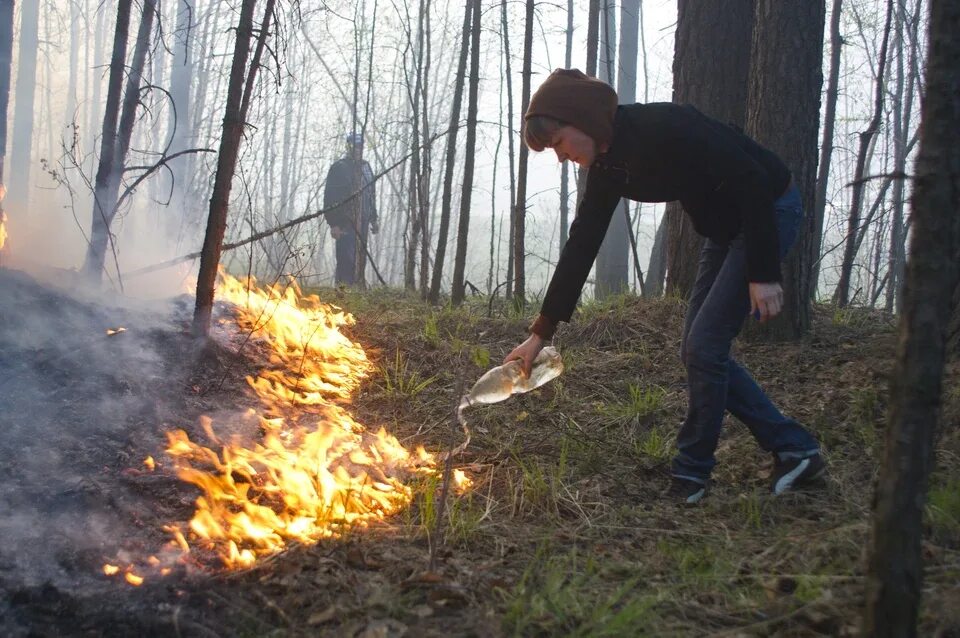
column 350, row 193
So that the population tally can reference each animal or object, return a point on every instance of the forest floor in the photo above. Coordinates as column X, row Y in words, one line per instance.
column 564, row 532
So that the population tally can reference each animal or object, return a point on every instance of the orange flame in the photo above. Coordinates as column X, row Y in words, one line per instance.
column 316, row 472
column 3, row 228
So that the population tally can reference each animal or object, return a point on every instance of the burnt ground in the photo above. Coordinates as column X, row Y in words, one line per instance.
column 563, row 534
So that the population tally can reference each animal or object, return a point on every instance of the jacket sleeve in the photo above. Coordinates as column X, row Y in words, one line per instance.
column 586, row 234
column 747, row 184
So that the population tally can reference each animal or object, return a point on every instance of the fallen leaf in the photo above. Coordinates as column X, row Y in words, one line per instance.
column 321, row 617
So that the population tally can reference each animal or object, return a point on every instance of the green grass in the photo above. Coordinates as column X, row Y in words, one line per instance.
column 943, row 509
column 568, row 595
column 642, row 402
column 400, row 380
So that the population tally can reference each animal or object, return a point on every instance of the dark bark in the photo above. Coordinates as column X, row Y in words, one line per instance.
column 826, row 146
column 22, row 131
column 716, row 84
column 866, row 137
column 895, row 563
column 520, row 208
column 785, row 117
column 102, row 208
column 447, row 195
column 234, row 119
column 460, row 261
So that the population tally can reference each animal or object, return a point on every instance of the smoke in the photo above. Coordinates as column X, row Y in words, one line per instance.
column 79, row 411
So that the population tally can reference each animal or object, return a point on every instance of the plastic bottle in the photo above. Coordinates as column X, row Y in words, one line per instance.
column 499, row 383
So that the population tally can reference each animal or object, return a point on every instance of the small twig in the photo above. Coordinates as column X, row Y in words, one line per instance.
column 447, row 474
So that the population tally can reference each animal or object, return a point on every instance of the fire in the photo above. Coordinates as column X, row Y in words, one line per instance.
column 3, row 228
column 315, row 472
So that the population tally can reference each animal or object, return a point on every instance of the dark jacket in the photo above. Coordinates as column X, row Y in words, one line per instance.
column 661, row 152
column 350, row 190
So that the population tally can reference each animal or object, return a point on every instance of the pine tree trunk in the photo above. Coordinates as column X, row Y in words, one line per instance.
column 785, row 117
column 22, row 131
column 520, row 208
column 234, row 119
column 458, row 291
column 895, row 563
column 842, row 294
column 710, row 71
column 451, row 157
column 102, row 207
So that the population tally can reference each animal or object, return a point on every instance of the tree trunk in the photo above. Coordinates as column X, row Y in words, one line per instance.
column 826, row 146
column 234, row 119
column 613, row 267
column 511, row 154
column 181, row 74
column 895, row 563
column 657, row 268
column 785, row 117
column 458, row 291
column 451, row 157
column 416, row 169
column 903, row 114
column 70, row 115
column 102, row 208
column 6, row 59
column 22, row 132
column 716, row 84
column 565, row 167
column 520, row 209
column 427, row 144
column 866, row 138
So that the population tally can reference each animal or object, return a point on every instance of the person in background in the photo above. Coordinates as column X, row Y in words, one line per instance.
column 350, row 199
column 738, row 195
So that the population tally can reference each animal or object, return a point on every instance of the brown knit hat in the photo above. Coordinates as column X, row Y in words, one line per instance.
column 577, row 99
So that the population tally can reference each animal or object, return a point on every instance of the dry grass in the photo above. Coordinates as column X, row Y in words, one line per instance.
column 565, row 533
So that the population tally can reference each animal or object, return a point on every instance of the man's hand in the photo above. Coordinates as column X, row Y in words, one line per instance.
column 336, row 232
column 526, row 352
column 766, row 300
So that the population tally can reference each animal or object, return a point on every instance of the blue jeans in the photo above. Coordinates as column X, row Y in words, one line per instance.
column 716, row 383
